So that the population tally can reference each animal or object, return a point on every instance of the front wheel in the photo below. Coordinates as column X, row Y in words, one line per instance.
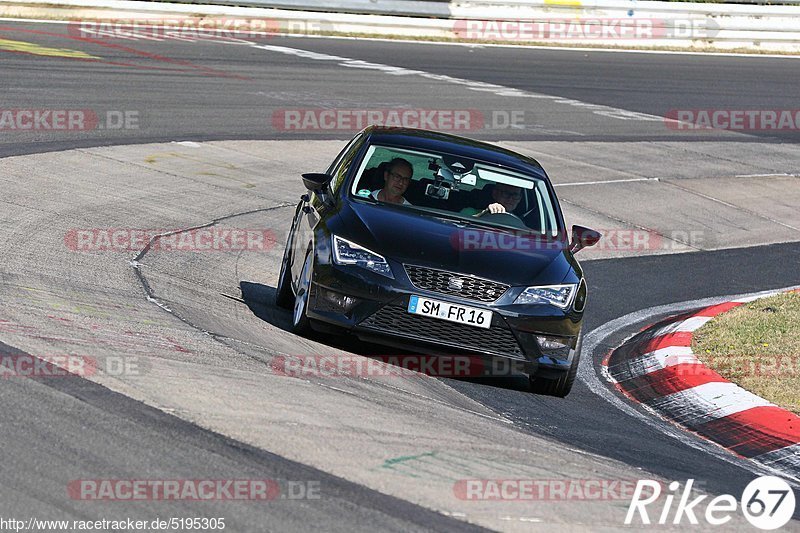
column 283, row 292
column 560, row 386
column 300, row 322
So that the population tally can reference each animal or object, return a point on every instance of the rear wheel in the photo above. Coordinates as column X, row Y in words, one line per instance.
column 557, row 386
column 300, row 322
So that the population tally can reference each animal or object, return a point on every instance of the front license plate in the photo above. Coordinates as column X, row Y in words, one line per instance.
column 471, row 316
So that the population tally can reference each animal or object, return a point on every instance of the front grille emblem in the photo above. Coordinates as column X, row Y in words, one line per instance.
column 455, row 284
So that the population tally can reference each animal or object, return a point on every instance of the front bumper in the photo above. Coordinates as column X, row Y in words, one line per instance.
column 378, row 312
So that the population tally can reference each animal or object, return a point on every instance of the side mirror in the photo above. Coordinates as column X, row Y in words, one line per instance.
column 583, row 238
column 319, row 184
column 316, row 182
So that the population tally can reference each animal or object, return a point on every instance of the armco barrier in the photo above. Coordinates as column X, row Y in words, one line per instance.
column 446, row 8
column 678, row 25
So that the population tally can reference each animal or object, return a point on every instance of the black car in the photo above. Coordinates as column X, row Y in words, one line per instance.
column 446, row 245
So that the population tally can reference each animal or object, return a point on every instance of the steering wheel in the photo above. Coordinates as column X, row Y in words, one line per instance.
column 507, row 218
column 498, row 216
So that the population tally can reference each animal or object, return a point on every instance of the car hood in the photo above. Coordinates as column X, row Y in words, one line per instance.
column 412, row 237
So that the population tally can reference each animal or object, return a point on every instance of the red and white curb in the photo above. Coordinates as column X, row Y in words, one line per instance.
column 657, row 369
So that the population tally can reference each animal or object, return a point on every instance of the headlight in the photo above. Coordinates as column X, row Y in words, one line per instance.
column 557, row 295
column 349, row 253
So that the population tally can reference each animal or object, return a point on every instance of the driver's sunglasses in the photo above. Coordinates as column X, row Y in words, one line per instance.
column 399, row 177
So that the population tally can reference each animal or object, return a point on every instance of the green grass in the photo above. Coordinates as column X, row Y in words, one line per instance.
column 757, row 346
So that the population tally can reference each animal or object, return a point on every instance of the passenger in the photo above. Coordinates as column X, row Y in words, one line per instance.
column 396, row 179
column 506, row 199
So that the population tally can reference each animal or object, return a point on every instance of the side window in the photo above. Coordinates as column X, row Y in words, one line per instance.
column 343, row 161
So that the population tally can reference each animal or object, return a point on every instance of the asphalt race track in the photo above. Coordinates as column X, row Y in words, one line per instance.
column 201, row 145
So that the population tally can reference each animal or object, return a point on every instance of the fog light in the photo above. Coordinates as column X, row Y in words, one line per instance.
column 339, row 302
column 553, row 346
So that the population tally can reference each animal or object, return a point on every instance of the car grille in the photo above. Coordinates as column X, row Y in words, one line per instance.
column 442, row 281
column 391, row 319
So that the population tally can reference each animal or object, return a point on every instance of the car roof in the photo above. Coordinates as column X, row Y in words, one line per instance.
column 434, row 141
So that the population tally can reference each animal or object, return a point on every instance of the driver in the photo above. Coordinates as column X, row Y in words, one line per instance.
column 396, row 178
column 506, row 199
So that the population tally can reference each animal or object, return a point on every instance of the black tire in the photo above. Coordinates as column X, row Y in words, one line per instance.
column 284, row 297
column 300, row 323
column 560, row 386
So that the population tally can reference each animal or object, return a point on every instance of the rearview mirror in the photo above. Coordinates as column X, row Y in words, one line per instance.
column 583, row 238
column 445, row 174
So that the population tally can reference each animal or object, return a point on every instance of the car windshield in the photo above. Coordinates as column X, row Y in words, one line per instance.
column 456, row 187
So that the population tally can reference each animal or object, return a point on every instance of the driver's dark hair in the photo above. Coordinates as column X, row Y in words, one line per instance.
column 399, row 161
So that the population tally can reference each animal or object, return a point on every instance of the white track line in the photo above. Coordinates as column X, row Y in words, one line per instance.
column 778, row 175
column 603, row 182
column 472, row 85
